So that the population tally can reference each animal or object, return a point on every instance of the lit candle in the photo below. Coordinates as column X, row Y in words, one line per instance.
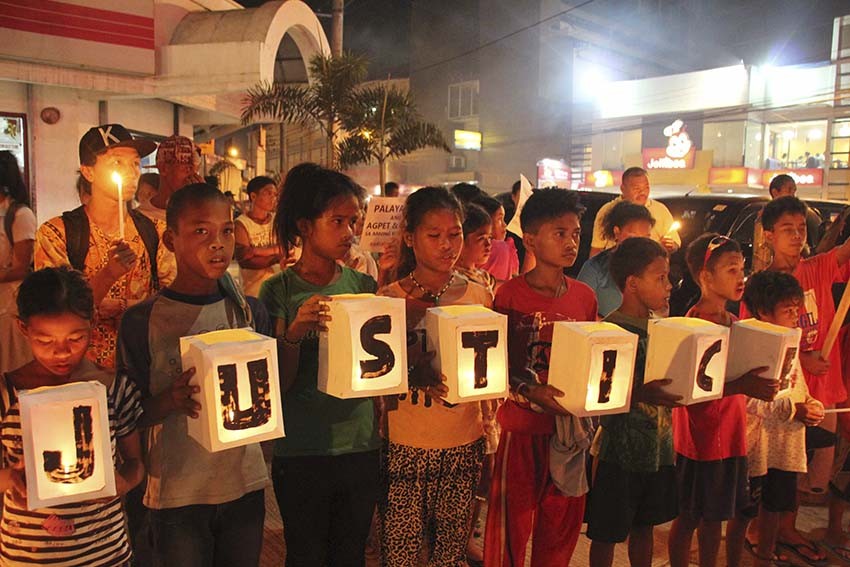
column 674, row 227
column 116, row 177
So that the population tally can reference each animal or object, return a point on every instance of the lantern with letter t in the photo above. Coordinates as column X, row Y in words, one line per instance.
column 67, row 447
column 471, row 346
column 754, row 343
column 692, row 353
column 236, row 370
column 593, row 364
column 364, row 351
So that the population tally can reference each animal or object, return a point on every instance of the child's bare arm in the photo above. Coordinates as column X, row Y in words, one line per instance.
column 753, row 385
column 653, row 393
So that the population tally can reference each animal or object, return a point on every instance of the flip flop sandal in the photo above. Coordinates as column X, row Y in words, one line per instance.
column 795, row 548
column 775, row 560
column 838, row 550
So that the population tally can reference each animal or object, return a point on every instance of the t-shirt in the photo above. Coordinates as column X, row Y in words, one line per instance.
column 259, row 234
column 414, row 423
column 531, row 319
column 503, row 262
column 135, row 285
column 642, row 439
column 712, row 430
column 661, row 214
column 480, row 276
column 23, row 228
column 181, row 472
column 317, row 423
column 80, row 534
column 816, row 276
column 360, row 260
column 596, row 273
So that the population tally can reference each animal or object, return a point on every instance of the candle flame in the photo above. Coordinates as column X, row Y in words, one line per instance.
column 116, row 177
column 674, row 227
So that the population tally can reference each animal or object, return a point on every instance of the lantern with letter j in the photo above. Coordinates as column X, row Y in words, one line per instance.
column 364, row 351
column 236, row 370
column 67, row 447
column 692, row 353
column 593, row 364
column 754, row 343
column 471, row 350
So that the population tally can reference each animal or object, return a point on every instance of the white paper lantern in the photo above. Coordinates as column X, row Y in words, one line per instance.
column 692, row 353
column 237, row 372
column 754, row 343
column 67, row 447
column 364, row 351
column 471, row 350
column 593, row 364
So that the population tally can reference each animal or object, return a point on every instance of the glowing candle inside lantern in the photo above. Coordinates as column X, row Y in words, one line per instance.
column 674, row 227
column 116, row 178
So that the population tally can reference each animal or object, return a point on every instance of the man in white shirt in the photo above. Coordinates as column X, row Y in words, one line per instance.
column 635, row 188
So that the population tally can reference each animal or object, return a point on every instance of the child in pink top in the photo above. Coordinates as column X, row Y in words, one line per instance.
column 503, row 263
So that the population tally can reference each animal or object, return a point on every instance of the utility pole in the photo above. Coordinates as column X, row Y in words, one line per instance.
column 336, row 27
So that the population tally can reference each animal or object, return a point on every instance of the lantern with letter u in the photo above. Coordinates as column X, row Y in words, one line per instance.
column 692, row 353
column 754, row 343
column 236, row 370
column 364, row 351
column 593, row 364
column 67, row 447
column 471, row 346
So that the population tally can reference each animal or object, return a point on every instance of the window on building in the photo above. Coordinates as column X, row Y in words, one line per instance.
column 840, row 144
column 463, row 100
column 726, row 140
column 614, row 147
column 795, row 145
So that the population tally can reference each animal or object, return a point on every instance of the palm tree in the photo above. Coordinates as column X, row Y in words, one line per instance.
column 322, row 102
column 382, row 124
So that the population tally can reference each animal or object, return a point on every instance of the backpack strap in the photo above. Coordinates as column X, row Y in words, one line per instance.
column 77, row 232
column 147, row 231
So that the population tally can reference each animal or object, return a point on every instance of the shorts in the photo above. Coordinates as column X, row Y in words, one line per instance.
column 712, row 490
column 775, row 492
column 840, row 483
column 620, row 500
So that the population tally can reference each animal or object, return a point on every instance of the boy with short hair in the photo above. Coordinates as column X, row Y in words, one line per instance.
column 526, row 506
column 121, row 270
column 710, row 438
column 206, row 508
column 634, row 487
column 256, row 250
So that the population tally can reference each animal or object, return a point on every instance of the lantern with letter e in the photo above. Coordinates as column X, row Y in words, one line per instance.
column 692, row 353
column 364, row 351
column 237, row 372
column 754, row 343
column 67, row 447
column 593, row 364
column 471, row 346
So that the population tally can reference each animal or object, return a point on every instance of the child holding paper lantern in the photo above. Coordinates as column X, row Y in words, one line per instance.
column 325, row 471
column 634, row 487
column 526, row 505
column 710, row 438
column 435, row 450
column 56, row 311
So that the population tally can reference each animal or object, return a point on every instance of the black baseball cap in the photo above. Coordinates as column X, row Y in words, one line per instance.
column 101, row 138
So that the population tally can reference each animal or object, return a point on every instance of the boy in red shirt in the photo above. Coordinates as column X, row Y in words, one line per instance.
column 525, row 504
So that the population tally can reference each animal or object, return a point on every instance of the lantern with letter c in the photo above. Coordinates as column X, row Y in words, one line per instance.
column 67, row 446
column 593, row 364
column 692, row 353
column 754, row 343
column 236, row 370
column 471, row 346
column 364, row 351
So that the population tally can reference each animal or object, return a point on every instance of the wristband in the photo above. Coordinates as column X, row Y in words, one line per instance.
column 289, row 342
column 522, row 387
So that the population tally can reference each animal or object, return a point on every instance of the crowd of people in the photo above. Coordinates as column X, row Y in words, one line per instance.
column 406, row 475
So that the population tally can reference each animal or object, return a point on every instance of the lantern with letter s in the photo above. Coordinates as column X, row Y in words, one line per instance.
column 754, row 343
column 692, row 353
column 237, row 372
column 364, row 351
column 593, row 364
column 67, row 447
column 471, row 346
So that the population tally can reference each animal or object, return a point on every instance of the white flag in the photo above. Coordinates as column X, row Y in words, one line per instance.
column 524, row 193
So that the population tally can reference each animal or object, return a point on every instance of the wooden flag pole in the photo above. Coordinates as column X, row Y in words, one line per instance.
column 840, row 314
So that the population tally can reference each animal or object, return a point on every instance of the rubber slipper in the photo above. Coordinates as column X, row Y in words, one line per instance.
column 838, row 550
column 813, row 549
column 775, row 560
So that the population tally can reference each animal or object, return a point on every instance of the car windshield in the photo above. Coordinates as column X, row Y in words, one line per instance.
column 699, row 216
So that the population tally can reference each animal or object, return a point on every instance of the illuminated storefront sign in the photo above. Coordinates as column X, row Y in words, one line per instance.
column 467, row 140
column 553, row 173
column 735, row 176
column 679, row 153
column 603, row 178
column 810, row 177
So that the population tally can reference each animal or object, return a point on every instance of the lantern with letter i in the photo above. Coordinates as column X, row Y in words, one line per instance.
column 364, row 351
column 471, row 346
column 236, row 370
column 593, row 364
column 754, row 343
column 67, row 447
column 692, row 353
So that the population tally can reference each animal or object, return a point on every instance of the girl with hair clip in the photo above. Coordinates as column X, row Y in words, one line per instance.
column 331, row 445
column 435, row 450
column 17, row 240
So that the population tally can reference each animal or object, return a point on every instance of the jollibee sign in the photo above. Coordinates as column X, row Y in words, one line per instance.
column 679, row 153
